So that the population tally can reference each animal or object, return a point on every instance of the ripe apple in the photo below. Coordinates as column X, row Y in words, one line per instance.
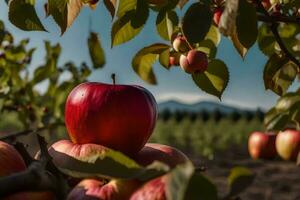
column 121, row 117
column 217, row 15
column 266, row 4
column 152, row 190
column 194, row 62
column 288, row 144
column 180, row 44
column 94, row 189
column 11, row 162
column 174, row 59
column 262, row 145
column 163, row 153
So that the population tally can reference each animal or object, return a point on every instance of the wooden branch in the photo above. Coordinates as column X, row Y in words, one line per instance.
column 30, row 131
column 284, row 19
column 274, row 28
column 41, row 175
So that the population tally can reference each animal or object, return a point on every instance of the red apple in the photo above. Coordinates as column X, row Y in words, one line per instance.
column 288, row 144
column 174, row 59
column 194, row 62
column 180, row 44
column 152, row 190
column 121, row 117
column 11, row 162
column 159, row 152
column 262, row 145
column 266, row 4
column 217, row 15
column 95, row 189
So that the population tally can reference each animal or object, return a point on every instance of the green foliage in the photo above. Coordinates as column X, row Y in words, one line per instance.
column 18, row 92
column 214, row 80
column 96, row 51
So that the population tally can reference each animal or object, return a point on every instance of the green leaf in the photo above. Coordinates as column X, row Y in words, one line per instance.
column 246, row 24
column 96, row 51
column 214, row 35
column 101, row 162
column 201, row 188
column 177, row 181
column 278, row 122
column 208, row 47
column 130, row 24
column 23, row 15
column 164, row 58
column 287, row 101
column 266, row 40
column 166, row 22
column 239, row 179
column 125, row 6
column 64, row 12
column 214, row 80
column 197, row 22
column 279, row 74
column 145, row 58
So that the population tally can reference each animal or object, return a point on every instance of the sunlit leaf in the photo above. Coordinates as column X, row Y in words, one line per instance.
column 239, row 179
column 96, row 51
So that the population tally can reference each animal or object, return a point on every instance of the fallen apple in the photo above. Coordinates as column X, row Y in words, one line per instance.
column 159, row 152
column 262, row 145
column 11, row 162
column 121, row 117
column 94, row 189
column 288, row 144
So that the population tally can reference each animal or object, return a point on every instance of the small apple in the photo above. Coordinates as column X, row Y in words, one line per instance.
column 194, row 62
column 121, row 117
column 288, row 144
column 217, row 15
column 174, row 59
column 11, row 162
column 180, row 44
column 159, row 152
column 94, row 189
column 262, row 145
column 266, row 4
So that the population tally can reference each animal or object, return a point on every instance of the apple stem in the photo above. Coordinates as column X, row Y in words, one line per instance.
column 113, row 76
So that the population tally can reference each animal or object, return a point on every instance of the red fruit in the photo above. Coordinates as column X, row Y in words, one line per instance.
column 262, row 145
column 180, row 44
column 94, row 189
column 217, row 15
column 121, row 117
column 159, row 152
column 174, row 59
column 152, row 190
column 11, row 162
column 288, row 144
column 194, row 62
column 266, row 4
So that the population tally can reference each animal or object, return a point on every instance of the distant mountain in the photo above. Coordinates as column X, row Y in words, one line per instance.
column 209, row 106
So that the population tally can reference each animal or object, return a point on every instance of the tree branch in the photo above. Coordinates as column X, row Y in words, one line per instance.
column 41, row 175
column 30, row 131
column 285, row 19
column 274, row 29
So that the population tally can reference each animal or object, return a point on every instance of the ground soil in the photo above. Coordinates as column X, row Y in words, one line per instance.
column 275, row 179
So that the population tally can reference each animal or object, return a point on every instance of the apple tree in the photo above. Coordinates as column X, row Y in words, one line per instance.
column 190, row 42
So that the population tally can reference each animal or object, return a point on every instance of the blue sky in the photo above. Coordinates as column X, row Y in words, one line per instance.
column 245, row 88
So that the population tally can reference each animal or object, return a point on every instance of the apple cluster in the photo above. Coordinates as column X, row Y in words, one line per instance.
column 190, row 60
column 286, row 144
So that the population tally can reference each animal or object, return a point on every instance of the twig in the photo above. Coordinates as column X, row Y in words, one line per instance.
column 41, row 175
column 24, row 153
column 274, row 29
column 285, row 19
column 30, row 131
